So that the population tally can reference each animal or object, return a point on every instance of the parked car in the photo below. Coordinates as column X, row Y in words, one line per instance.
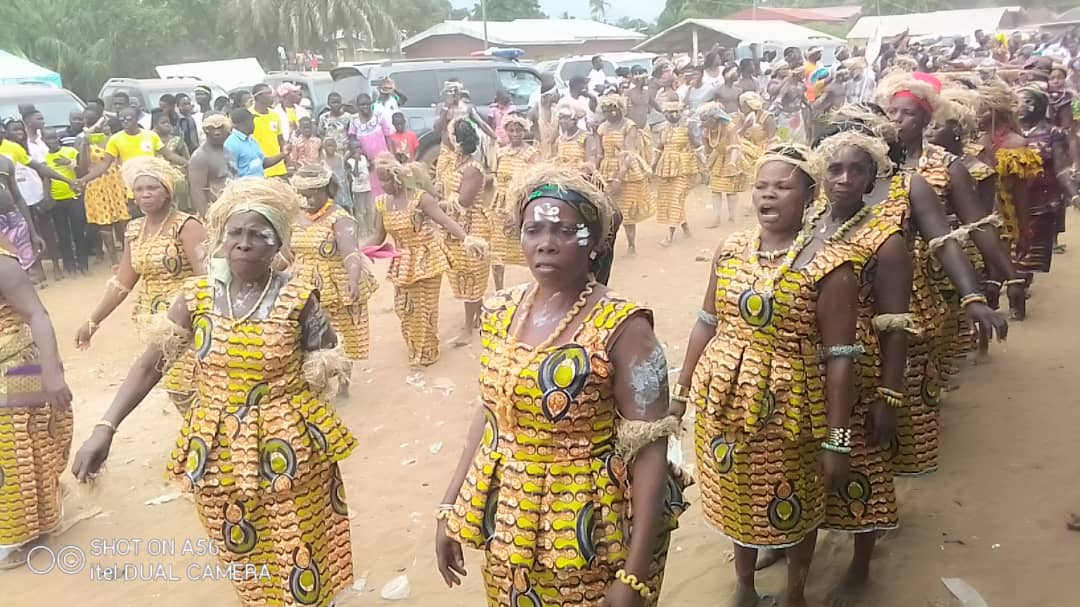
column 317, row 86
column 148, row 91
column 421, row 80
column 580, row 65
column 55, row 104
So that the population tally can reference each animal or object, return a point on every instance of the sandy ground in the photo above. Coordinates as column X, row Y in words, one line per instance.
column 993, row 515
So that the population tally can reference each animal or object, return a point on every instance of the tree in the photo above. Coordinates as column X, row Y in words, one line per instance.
column 598, row 9
column 638, row 25
column 316, row 25
column 414, row 16
column 508, row 10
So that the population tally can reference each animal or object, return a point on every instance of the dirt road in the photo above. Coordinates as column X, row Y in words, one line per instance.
column 993, row 515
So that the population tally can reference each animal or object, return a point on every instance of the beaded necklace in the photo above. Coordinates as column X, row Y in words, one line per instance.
column 513, row 337
column 842, row 231
column 771, row 274
column 251, row 312
column 323, row 210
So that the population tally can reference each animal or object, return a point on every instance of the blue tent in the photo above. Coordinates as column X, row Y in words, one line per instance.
column 16, row 70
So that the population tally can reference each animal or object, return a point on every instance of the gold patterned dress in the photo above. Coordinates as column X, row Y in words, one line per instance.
column 867, row 500
column 546, row 497
column 35, row 436
column 635, row 199
column 725, row 176
column 570, row 151
column 105, row 197
column 318, row 260
column 676, row 170
column 162, row 265
column 1015, row 166
column 416, row 274
column 468, row 275
column 759, row 388
column 914, row 451
column 506, row 242
column 260, row 451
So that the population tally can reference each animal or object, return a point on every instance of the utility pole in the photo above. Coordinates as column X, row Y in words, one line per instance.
column 483, row 17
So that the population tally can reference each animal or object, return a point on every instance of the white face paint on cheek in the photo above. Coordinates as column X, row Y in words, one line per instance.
column 268, row 236
column 583, row 234
column 545, row 211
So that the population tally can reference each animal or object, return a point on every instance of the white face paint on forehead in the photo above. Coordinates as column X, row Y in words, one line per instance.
column 546, row 211
column 582, row 235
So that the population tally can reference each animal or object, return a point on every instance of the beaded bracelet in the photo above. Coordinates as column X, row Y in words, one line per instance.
column 971, row 298
column 993, row 283
column 680, row 393
column 844, row 351
column 444, row 511
column 826, row 445
column 840, row 437
column 891, row 397
column 1014, row 281
column 631, row 580
column 107, row 424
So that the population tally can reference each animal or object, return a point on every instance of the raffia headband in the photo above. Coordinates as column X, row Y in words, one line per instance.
column 799, row 156
column 874, row 147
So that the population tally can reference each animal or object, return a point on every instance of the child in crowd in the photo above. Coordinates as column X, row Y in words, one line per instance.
column 304, row 146
column 359, row 170
column 404, row 142
column 68, row 213
column 499, row 110
column 343, row 197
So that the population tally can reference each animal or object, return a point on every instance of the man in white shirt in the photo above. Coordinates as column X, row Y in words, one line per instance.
column 289, row 108
column 597, row 77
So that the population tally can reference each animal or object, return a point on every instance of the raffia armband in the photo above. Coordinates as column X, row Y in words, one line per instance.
column 963, row 232
column 158, row 330
column 885, row 323
column 324, row 370
column 634, row 434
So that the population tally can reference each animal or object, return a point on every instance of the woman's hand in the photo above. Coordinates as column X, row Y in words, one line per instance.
column 83, row 335
column 92, row 454
column 881, row 424
column 620, row 595
column 448, row 556
column 836, row 470
column 1017, row 302
column 993, row 322
column 56, row 389
column 353, row 286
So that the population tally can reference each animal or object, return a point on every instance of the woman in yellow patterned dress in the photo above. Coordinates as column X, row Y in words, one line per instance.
column 35, row 415
column 326, row 253
column 864, row 198
column 412, row 217
column 571, row 411
column 463, row 191
column 575, row 148
column 510, row 160
column 769, row 366
column 727, row 175
column 106, row 196
column 623, row 166
column 757, row 127
column 162, row 249
column 266, row 360
column 676, row 167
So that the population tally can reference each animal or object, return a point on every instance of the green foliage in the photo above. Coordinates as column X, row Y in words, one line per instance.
column 508, row 10
column 598, row 9
column 638, row 25
column 415, row 16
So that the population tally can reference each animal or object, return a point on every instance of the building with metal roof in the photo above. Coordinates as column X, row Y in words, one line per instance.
column 539, row 38
column 937, row 23
column 821, row 14
column 691, row 35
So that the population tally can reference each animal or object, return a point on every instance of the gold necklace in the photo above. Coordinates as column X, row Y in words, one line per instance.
column 251, row 312
column 161, row 226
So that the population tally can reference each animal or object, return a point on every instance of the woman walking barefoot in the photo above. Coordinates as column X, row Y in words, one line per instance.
column 409, row 214
column 463, row 190
column 106, row 197
column 326, row 253
column 572, row 410
column 765, row 401
column 35, row 417
column 510, row 161
column 623, row 167
column 727, row 175
column 676, row 167
column 163, row 248
column 265, row 371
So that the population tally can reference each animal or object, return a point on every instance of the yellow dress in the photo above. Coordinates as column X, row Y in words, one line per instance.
column 675, row 170
column 635, row 199
column 570, row 151
column 725, row 176
column 260, row 452
column 867, row 501
column 318, row 261
column 105, row 197
column 162, row 265
column 35, row 437
column 416, row 274
column 1013, row 165
column 468, row 275
column 546, row 497
column 506, row 242
column 759, row 388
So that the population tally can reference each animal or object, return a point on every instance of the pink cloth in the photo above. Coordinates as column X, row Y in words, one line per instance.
column 371, row 134
column 13, row 225
column 497, row 115
column 383, row 251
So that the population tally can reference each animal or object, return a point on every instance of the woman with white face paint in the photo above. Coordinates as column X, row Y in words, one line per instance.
column 266, row 364
column 162, row 249
column 512, row 159
column 574, row 405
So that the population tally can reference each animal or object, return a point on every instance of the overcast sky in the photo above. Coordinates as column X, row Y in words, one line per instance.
column 647, row 10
